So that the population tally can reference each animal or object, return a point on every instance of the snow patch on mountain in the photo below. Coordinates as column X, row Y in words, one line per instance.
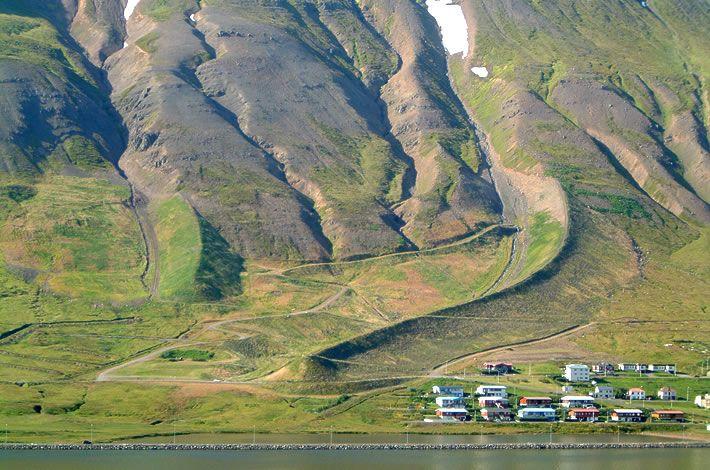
column 130, row 6
column 452, row 23
column 480, row 71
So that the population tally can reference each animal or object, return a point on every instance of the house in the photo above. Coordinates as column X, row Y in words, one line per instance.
column 668, row 415
column 603, row 368
column 667, row 393
column 447, row 390
column 636, row 393
column 492, row 390
column 583, row 414
column 449, row 402
column 536, row 414
column 577, row 373
column 669, row 368
column 536, row 401
column 604, row 392
column 460, row 414
column 487, row 402
column 567, row 389
column 627, row 415
column 497, row 367
column 575, row 401
column 703, row 401
column 641, row 368
column 497, row 414
column 626, row 367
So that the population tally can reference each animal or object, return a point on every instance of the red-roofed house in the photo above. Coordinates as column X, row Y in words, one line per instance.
column 583, row 414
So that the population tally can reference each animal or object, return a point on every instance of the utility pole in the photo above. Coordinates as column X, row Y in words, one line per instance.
column 92, row 433
column 173, row 432
column 5, row 433
column 687, row 393
column 331, row 436
column 254, row 435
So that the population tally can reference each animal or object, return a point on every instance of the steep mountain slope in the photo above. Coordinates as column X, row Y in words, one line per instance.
column 568, row 109
column 311, row 172
column 67, row 221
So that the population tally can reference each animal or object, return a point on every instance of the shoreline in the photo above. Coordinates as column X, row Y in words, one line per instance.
column 354, row 447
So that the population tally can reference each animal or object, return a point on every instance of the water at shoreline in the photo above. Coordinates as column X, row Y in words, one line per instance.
column 607, row 459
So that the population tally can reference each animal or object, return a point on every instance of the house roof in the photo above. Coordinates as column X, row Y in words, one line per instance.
column 576, row 398
column 669, row 412
column 666, row 389
column 453, row 410
column 537, row 410
column 625, row 410
column 492, row 386
column 536, row 398
column 635, row 389
column 580, row 410
column 497, row 410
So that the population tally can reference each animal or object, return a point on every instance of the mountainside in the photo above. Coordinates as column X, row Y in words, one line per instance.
column 331, row 192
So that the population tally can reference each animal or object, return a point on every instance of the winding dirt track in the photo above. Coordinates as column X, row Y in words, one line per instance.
column 188, row 339
column 441, row 368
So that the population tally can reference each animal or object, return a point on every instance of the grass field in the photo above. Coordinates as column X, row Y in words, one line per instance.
column 77, row 236
column 65, row 412
column 180, row 244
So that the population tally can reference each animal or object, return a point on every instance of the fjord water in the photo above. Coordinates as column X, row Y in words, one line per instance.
column 612, row 459
column 607, row 459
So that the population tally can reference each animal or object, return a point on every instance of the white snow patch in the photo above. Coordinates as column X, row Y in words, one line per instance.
column 130, row 6
column 480, row 71
column 192, row 18
column 125, row 44
column 452, row 23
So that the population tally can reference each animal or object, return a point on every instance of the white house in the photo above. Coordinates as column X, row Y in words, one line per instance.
column 536, row 414
column 627, row 415
column 492, row 390
column 604, row 392
column 666, row 393
column 669, row 368
column 577, row 373
column 576, row 401
column 703, row 401
column 447, row 390
column 603, row 368
column 449, row 402
column 636, row 393
column 626, row 366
